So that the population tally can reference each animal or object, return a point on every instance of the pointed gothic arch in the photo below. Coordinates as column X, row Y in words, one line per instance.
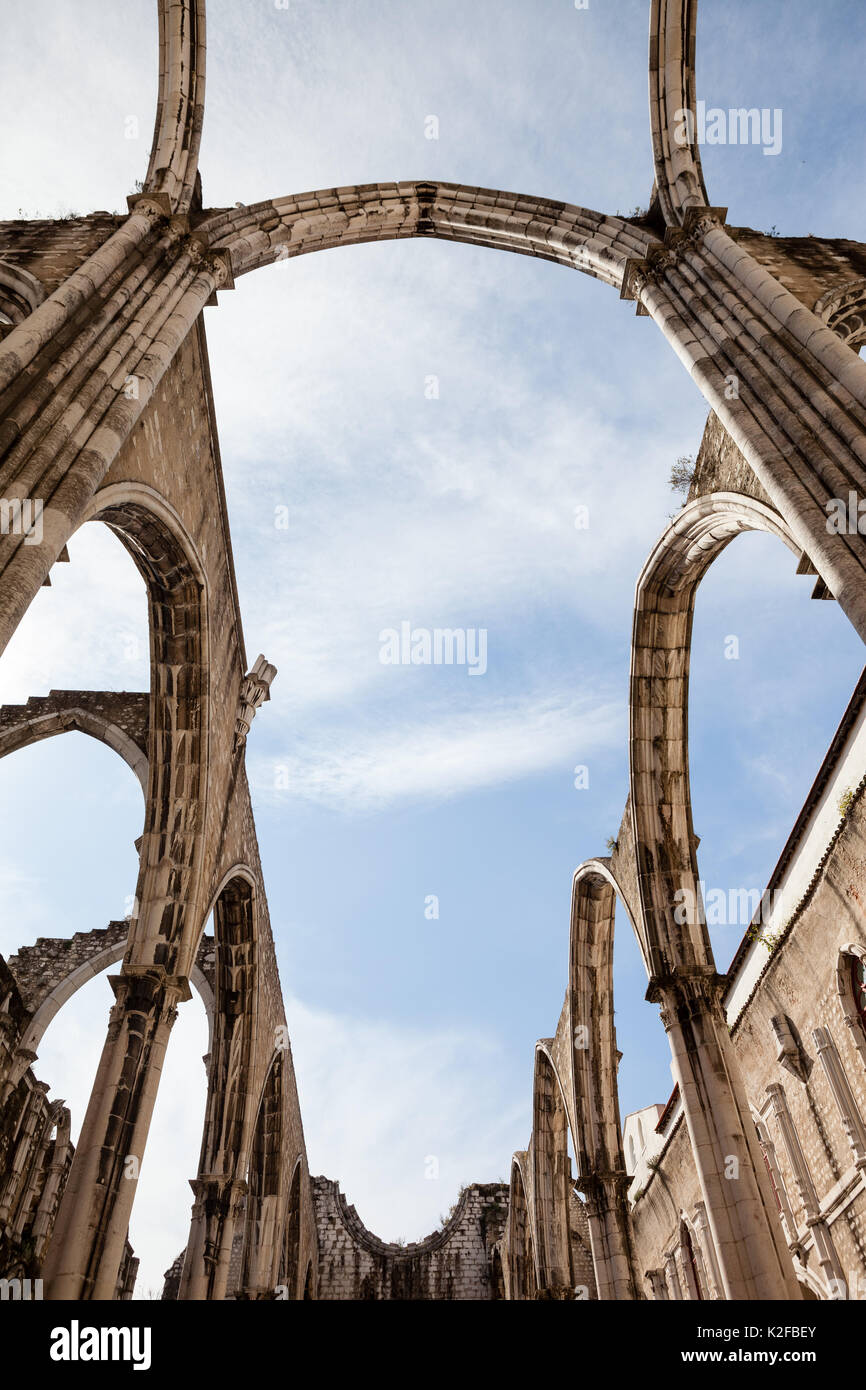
column 602, row 1174
column 220, row 1182
column 551, row 1174
column 522, row 1259
column 265, row 1196
column 683, row 979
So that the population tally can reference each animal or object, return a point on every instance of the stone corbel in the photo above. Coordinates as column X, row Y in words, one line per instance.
column 255, row 690
column 791, row 1054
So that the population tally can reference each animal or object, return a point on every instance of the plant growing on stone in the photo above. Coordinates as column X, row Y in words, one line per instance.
column 682, row 473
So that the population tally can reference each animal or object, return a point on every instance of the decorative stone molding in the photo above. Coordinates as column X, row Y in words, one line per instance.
column 255, row 690
column 853, row 1023
column 824, row 1246
column 791, row 1053
column 837, row 1078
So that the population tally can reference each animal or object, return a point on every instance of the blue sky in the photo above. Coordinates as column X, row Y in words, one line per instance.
column 415, row 1037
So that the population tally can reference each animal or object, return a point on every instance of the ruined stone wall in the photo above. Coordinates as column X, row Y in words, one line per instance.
column 451, row 1264
column 802, row 985
column 720, row 466
column 807, row 266
column 41, row 968
column 581, row 1250
column 125, row 710
column 52, row 250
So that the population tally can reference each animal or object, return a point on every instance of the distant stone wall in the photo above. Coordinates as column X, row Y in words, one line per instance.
column 581, row 1250
column 452, row 1264
column 42, row 969
column 52, row 250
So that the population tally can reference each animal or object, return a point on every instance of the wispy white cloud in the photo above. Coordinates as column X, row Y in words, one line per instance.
column 380, row 1099
column 364, row 768
column 87, row 631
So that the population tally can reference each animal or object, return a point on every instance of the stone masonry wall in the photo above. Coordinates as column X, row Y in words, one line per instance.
column 451, row 1264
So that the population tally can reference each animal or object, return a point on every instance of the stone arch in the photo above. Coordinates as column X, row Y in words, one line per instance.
column 854, row 950
column 597, row 1131
column 281, row 228
column 176, row 587
column 679, row 182
column 219, row 1185
column 290, row 1256
column 20, row 294
column 658, row 736
column 87, row 1247
column 843, row 309
column 261, row 1253
column 522, row 1261
column 697, row 1279
column 551, row 1169
column 79, row 711
column 103, row 949
column 173, row 165
column 754, row 1262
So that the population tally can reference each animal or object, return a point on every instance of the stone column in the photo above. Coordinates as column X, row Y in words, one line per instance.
column 827, row 1257
column 45, row 1211
column 610, row 1234
column 711, row 1264
column 219, row 1201
column 23, row 1156
column 791, row 395
column 87, row 1245
column 753, row 1261
column 658, row 1287
column 768, row 1149
column 673, row 1278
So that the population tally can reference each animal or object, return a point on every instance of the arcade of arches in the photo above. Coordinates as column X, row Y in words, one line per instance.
column 751, row 1182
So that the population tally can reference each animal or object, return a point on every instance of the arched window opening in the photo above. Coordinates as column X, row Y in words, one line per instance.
column 690, row 1263
column 858, row 987
column 261, row 1255
column 644, row 1071
column 290, row 1266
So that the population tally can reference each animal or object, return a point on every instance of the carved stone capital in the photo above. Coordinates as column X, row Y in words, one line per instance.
column 255, row 690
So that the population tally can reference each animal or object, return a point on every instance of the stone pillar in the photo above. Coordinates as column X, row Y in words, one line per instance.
column 45, row 1211
column 753, row 1261
column 219, row 1202
column 88, row 1242
column 24, row 1150
column 672, row 1277
column 768, row 1149
column 711, row 1264
column 789, row 392
column 610, row 1234
column 826, row 1250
